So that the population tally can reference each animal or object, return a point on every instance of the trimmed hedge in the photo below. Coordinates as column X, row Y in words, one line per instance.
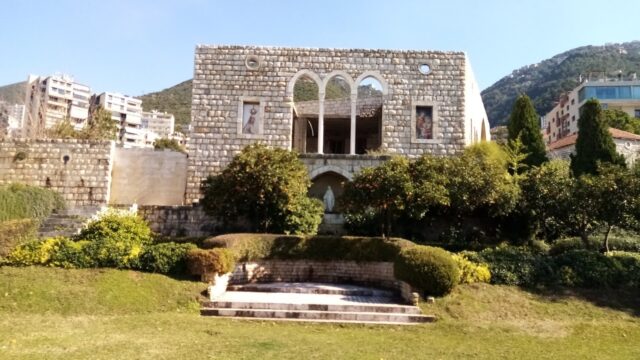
column 201, row 261
column 248, row 247
column 165, row 258
column 430, row 269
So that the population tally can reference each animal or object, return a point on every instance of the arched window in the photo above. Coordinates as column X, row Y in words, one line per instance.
column 369, row 115
column 306, row 111
column 337, row 115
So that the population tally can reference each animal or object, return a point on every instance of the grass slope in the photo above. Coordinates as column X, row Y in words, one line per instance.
column 106, row 314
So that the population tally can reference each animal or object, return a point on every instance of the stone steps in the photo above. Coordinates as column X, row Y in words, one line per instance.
column 312, row 315
column 313, row 302
column 373, row 308
column 311, row 288
column 67, row 222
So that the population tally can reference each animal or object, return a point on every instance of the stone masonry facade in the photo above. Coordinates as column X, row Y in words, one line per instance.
column 79, row 170
column 226, row 76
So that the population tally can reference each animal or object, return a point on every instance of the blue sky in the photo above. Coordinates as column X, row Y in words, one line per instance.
column 135, row 47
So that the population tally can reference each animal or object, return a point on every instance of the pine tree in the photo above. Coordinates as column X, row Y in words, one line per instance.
column 523, row 123
column 594, row 143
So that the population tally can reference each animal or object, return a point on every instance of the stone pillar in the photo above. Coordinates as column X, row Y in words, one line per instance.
column 352, row 139
column 321, row 124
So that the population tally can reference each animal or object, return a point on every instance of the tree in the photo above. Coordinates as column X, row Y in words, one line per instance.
column 523, row 123
column 594, row 143
column 380, row 192
column 267, row 187
column 171, row 144
column 621, row 120
column 546, row 198
column 63, row 130
column 100, row 126
column 617, row 191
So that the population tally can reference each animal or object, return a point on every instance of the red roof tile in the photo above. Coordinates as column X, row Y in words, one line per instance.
column 571, row 140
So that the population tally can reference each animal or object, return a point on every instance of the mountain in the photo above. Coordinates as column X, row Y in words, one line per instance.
column 13, row 93
column 175, row 100
column 546, row 80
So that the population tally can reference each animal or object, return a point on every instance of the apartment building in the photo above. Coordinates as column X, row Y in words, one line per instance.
column 52, row 99
column 617, row 93
column 126, row 111
column 11, row 118
column 160, row 123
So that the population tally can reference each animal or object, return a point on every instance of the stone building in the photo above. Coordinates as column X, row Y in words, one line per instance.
column 341, row 109
column 627, row 144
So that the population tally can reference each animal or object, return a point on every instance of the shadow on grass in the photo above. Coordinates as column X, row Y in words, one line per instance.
column 626, row 300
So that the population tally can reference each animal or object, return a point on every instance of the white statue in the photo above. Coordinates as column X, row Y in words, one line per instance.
column 329, row 200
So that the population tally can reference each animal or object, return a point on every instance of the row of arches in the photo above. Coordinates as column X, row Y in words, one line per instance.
column 336, row 114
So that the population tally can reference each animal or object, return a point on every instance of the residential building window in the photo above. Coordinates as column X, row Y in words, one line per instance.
column 637, row 113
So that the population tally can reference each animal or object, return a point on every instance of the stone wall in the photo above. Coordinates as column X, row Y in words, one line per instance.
column 225, row 76
column 148, row 177
column 376, row 274
column 80, row 170
column 179, row 220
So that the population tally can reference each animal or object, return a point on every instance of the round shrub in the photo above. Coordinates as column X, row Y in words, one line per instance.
column 116, row 239
column 165, row 258
column 218, row 260
column 429, row 269
column 471, row 272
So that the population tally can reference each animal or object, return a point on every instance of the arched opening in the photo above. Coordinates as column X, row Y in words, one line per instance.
column 369, row 115
column 306, row 109
column 337, row 116
column 328, row 187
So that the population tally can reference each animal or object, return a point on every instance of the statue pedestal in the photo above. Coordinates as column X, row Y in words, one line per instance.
column 332, row 224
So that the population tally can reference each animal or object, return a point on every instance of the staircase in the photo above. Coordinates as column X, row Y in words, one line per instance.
column 67, row 222
column 314, row 302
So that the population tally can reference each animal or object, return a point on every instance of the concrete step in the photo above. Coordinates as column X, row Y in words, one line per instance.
column 312, row 288
column 365, row 308
column 312, row 315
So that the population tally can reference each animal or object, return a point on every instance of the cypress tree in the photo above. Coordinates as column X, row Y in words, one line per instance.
column 523, row 123
column 594, row 143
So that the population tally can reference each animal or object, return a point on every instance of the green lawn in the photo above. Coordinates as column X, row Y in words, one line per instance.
column 108, row 314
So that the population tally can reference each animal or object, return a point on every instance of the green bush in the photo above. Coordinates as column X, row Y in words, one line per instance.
column 165, row 258
column 209, row 261
column 510, row 265
column 116, row 239
column 19, row 201
column 249, row 247
column 56, row 251
column 589, row 269
column 630, row 262
column 431, row 270
column 616, row 243
column 15, row 232
column 69, row 254
column 471, row 272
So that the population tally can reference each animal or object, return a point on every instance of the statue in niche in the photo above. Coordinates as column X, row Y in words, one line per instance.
column 250, row 124
column 329, row 200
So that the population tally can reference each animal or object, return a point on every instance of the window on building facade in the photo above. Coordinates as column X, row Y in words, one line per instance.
column 636, row 113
